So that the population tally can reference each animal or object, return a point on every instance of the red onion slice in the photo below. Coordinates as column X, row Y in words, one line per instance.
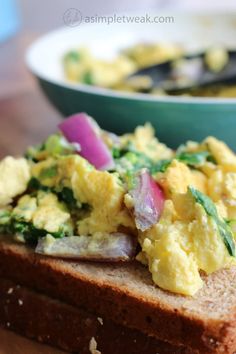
column 101, row 247
column 80, row 128
column 148, row 199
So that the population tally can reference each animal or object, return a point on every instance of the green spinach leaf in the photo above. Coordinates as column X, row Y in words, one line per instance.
column 193, row 158
column 223, row 227
column 48, row 172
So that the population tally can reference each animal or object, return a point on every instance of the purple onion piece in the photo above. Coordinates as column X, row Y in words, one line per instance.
column 115, row 247
column 148, row 200
column 81, row 129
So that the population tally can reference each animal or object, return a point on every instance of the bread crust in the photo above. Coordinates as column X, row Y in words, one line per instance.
column 50, row 321
column 69, row 282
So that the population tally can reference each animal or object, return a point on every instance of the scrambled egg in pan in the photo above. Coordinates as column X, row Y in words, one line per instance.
column 80, row 66
column 54, row 191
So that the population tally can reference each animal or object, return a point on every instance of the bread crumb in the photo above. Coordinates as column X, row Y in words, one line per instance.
column 8, row 324
column 20, row 302
column 100, row 320
column 10, row 291
column 93, row 346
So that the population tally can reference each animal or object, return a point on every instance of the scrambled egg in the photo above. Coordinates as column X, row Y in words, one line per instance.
column 63, row 194
column 105, row 193
column 14, row 177
column 222, row 153
column 81, row 66
column 144, row 140
column 184, row 241
column 44, row 211
column 216, row 59
column 101, row 190
column 178, row 177
column 221, row 177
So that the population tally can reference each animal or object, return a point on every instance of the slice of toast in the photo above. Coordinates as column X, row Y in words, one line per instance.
column 72, row 329
column 125, row 294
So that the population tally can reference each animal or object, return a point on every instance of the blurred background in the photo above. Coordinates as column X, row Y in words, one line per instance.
column 21, row 21
column 46, row 15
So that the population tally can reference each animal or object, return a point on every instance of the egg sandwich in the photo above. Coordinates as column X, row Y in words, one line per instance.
column 124, row 229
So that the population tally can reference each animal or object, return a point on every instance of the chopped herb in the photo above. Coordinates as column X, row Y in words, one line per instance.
column 54, row 145
column 88, row 78
column 57, row 144
column 223, row 227
column 205, row 201
column 32, row 152
column 116, row 153
column 48, row 172
column 66, row 195
column 131, row 159
column 30, row 233
column 138, row 160
column 130, row 178
column 5, row 217
column 211, row 158
column 34, row 184
column 120, row 152
column 72, row 56
column 160, row 166
column 193, row 158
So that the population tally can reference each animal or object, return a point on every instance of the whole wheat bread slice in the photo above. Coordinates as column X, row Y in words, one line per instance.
column 126, row 294
column 72, row 329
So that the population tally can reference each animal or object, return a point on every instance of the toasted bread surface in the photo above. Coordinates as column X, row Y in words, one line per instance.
column 125, row 294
